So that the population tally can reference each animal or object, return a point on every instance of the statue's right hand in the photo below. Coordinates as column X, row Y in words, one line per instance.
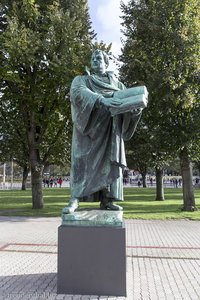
column 111, row 102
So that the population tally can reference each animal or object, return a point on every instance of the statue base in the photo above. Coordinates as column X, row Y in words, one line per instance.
column 92, row 259
column 97, row 218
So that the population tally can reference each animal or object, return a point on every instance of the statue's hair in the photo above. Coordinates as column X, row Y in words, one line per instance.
column 105, row 56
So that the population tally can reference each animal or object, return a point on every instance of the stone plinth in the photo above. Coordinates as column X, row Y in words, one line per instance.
column 92, row 257
column 97, row 218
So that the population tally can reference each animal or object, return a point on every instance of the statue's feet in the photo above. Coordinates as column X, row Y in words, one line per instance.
column 110, row 205
column 71, row 206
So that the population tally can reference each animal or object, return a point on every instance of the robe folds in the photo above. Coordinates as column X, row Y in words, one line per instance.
column 98, row 154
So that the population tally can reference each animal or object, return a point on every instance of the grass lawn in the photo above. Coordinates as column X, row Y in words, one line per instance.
column 139, row 204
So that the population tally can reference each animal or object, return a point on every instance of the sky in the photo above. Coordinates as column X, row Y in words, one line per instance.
column 105, row 17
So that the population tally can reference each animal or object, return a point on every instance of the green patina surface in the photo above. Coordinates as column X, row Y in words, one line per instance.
column 96, row 218
column 104, row 114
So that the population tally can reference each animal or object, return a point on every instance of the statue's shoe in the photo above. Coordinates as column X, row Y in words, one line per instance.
column 110, row 206
column 71, row 207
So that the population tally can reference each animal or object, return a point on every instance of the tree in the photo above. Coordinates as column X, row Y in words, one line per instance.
column 138, row 151
column 6, row 154
column 144, row 151
column 44, row 45
column 162, row 50
column 13, row 144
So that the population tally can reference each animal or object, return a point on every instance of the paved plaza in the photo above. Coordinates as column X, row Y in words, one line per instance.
column 163, row 260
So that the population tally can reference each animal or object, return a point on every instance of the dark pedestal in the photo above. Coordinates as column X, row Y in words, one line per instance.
column 91, row 261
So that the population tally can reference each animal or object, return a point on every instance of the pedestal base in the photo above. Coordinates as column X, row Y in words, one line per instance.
column 91, row 261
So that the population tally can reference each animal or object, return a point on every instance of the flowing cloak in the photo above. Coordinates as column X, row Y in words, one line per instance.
column 98, row 154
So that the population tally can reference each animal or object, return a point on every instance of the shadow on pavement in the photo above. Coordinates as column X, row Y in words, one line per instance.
column 29, row 286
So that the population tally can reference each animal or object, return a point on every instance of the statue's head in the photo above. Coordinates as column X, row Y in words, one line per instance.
column 99, row 61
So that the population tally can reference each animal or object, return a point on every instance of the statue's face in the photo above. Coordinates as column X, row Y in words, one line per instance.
column 98, row 64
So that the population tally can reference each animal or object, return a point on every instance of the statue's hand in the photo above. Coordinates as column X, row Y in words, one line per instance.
column 111, row 102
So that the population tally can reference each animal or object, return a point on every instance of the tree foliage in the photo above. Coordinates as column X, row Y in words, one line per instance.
column 162, row 51
column 44, row 45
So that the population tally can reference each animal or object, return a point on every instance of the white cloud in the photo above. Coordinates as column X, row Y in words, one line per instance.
column 108, row 17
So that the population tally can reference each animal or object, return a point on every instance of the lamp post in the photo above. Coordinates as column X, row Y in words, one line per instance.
column 11, row 175
column 4, row 174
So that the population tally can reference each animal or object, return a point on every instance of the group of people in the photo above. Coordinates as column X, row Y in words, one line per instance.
column 175, row 182
column 52, row 182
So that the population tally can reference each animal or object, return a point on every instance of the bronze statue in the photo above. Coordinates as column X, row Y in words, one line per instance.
column 104, row 114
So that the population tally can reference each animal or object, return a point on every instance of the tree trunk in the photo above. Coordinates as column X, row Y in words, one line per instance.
column 186, row 171
column 36, row 166
column 159, row 185
column 144, row 182
column 36, row 182
column 36, row 179
column 25, row 176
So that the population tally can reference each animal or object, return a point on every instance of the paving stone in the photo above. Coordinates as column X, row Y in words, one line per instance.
column 163, row 260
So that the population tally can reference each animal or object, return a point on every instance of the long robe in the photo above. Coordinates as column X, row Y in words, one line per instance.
column 98, row 154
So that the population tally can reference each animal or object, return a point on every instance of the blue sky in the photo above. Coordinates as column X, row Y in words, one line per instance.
column 105, row 17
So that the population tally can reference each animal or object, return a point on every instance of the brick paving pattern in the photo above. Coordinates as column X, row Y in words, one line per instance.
column 163, row 260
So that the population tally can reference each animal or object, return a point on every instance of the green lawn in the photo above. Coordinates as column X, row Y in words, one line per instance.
column 139, row 204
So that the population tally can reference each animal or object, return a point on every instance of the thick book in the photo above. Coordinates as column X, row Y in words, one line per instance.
column 134, row 91
column 129, row 104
